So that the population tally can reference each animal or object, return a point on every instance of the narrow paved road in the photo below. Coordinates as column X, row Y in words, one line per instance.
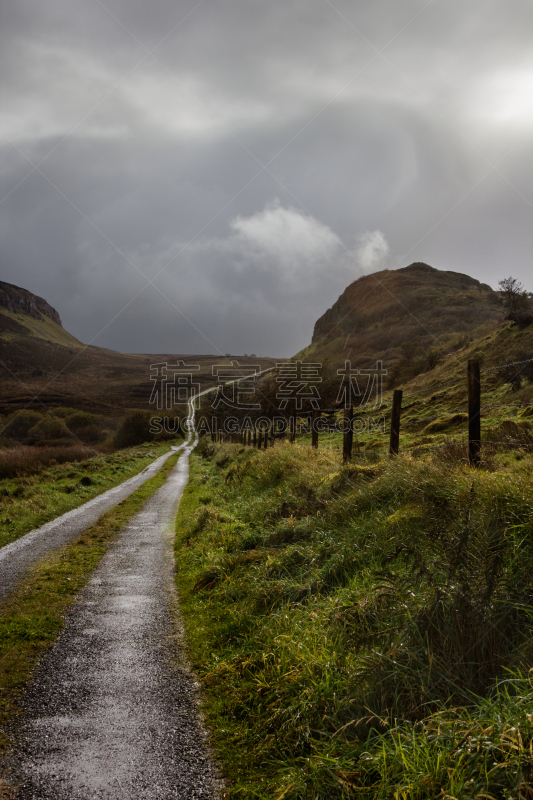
column 112, row 711
column 16, row 558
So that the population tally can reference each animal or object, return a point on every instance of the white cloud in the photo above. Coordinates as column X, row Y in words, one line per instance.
column 285, row 242
column 372, row 249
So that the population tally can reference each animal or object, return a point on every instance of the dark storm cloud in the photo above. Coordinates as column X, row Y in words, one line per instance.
column 153, row 161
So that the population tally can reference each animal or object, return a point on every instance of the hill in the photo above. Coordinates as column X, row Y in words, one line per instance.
column 424, row 325
column 42, row 364
column 407, row 318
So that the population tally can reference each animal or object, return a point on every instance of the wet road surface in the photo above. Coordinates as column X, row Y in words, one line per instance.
column 112, row 710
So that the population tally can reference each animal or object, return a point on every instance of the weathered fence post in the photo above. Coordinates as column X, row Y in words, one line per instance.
column 260, row 439
column 255, row 437
column 292, row 428
column 395, row 422
column 347, row 436
column 474, row 413
column 265, row 438
column 314, row 430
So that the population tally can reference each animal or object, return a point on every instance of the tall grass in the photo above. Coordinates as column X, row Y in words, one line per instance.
column 357, row 628
column 32, row 460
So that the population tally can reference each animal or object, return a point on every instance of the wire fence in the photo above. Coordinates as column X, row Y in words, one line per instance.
column 463, row 417
column 457, row 380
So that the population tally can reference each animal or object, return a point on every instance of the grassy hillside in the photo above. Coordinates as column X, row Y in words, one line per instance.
column 44, row 328
column 407, row 318
column 436, row 401
column 363, row 631
column 366, row 630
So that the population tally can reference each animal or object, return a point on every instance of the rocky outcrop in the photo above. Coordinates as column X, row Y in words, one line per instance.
column 21, row 301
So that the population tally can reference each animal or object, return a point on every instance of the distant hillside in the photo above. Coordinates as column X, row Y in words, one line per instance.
column 41, row 363
column 407, row 318
column 18, row 300
column 23, row 315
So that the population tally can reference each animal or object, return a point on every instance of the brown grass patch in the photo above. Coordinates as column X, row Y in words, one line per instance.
column 31, row 460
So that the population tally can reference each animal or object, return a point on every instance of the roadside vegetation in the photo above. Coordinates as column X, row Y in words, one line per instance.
column 31, row 440
column 53, row 462
column 32, row 617
column 362, row 631
column 30, row 500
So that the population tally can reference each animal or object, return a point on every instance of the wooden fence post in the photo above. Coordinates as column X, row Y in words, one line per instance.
column 255, row 437
column 474, row 413
column 265, row 439
column 260, row 439
column 292, row 428
column 347, row 436
column 314, row 431
column 395, row 422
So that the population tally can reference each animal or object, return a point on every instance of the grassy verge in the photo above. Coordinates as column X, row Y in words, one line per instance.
column 31, row 501
column 361, row 631
column 32, row 617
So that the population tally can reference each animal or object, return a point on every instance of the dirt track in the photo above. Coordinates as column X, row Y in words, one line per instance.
column 112, row 711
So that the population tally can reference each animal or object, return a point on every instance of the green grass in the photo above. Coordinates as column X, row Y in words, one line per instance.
column 32, row 617
column 31, row 501
column 361, row 631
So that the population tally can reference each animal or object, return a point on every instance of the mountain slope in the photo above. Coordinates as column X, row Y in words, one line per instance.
column 402, row 315
column 424, row 325
column 42, row 364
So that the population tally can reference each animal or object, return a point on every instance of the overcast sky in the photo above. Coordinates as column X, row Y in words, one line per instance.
column 206, row 177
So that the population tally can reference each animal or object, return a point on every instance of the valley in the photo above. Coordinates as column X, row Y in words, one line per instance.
column 359, row 624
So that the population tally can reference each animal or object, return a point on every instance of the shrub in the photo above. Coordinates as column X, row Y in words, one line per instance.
column 90, row 434
column 134, row 429
column 20, row 423
column 82, row 419
column 48, row 428
column 63, row 412
column 8, row 443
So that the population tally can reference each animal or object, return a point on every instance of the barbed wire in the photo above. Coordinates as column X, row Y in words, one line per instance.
column 426, row 420
column 504, row 366
column 442, row 447
column 509, row 405
column 432, row 388
column 456, row 380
